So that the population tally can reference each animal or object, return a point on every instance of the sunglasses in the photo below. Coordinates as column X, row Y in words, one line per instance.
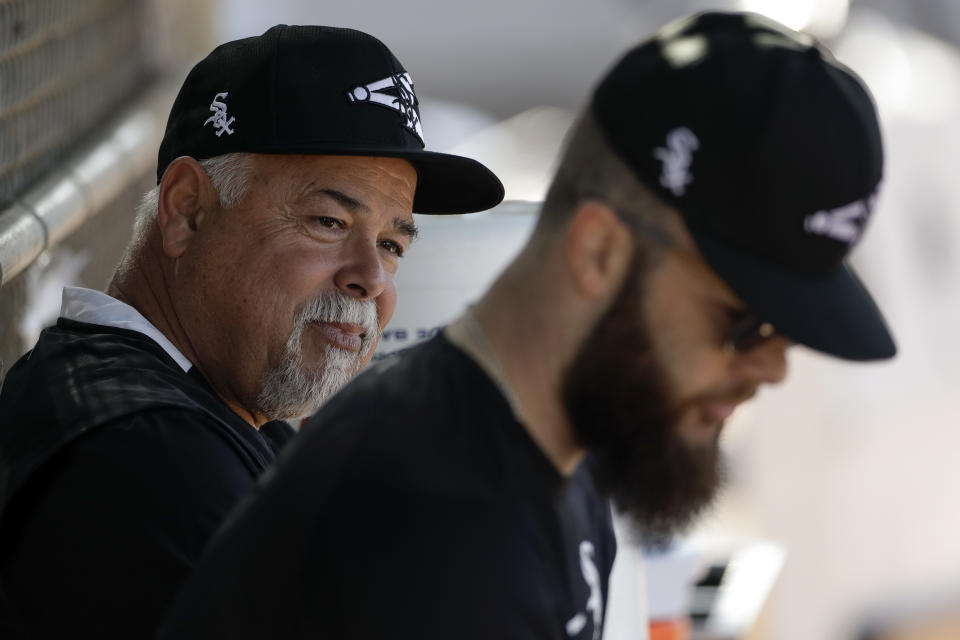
column 748, row 332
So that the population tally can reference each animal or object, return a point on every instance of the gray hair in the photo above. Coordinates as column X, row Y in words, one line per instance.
column 229, row 174
column 590, row 168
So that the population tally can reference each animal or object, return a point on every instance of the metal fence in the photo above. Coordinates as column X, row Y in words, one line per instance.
column 65, row 65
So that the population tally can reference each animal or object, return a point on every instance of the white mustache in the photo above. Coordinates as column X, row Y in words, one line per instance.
column 336, row 306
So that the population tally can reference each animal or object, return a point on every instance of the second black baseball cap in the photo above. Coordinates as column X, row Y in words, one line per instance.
column 318, row 90
column 770, row 150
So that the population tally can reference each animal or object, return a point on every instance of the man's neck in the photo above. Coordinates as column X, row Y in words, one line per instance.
column 144, row 289
column 529, row 352
column 137, row 286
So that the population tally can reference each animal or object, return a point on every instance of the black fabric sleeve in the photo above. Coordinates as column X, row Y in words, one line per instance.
column 104, row 534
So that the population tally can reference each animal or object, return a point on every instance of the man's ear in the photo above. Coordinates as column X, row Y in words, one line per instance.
column 599, row 249
column 185, row 193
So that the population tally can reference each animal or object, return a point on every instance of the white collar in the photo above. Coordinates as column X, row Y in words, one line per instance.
column 95, row 307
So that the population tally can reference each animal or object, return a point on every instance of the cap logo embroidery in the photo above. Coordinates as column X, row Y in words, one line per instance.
column 845, row 223
column 219, row 117
column 402, row 99
column 677, row 157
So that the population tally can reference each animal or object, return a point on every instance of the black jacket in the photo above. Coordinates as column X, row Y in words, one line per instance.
column 116, row 467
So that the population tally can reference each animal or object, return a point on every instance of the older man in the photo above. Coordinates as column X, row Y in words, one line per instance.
column 260, row 274
column 696, row 227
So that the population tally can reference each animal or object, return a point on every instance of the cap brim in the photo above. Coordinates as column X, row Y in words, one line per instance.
column 453, row 184
column 834, row 314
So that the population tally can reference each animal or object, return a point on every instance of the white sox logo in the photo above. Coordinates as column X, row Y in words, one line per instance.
column 402, row 99
column 677, row 157
column 595, row 601
column 844, row 223
column 219, row 117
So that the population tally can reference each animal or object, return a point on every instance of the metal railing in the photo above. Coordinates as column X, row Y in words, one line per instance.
column 81, row 187
column 66, row 66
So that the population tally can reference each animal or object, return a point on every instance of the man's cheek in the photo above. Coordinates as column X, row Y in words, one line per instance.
column 386, row 304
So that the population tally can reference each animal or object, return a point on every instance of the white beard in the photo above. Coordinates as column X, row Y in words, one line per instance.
column 291, row 391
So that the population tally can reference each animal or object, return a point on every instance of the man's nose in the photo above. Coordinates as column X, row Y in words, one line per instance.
column 361, row 275
column 766, row 362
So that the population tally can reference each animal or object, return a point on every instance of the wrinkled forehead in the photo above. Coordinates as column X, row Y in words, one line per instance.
column 391, row 180
column 335, row 165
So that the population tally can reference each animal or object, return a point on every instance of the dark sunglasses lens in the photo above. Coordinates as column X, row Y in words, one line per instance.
column 748, row 333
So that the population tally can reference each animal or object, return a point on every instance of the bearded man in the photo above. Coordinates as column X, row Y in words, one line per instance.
column 697, row 226
column 258, row 280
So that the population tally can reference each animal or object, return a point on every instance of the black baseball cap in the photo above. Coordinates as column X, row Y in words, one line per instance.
column 318, row 90
column 770, row 150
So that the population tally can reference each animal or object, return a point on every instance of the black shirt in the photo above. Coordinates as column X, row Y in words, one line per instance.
column 116, row 467
column 414, row 505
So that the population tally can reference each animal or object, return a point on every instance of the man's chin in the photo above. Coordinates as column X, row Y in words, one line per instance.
column 657, row 531
column 290, row 392
column 662, row 496
column 327, row 379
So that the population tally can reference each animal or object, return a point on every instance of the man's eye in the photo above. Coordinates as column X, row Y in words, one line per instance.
column 392, row 247
column 327, row 221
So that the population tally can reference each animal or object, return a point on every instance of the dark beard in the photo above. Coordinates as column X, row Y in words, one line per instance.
column 620, row 408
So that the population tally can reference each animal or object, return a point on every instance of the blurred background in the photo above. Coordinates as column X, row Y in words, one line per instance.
column 846, row 479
